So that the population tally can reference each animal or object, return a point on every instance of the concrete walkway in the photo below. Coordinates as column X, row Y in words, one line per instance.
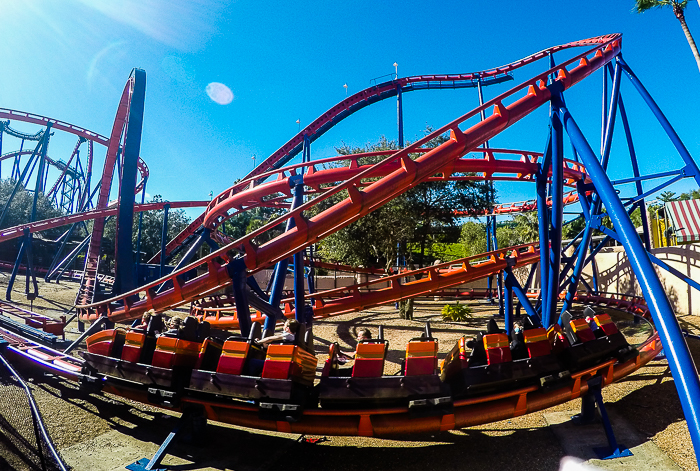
column 580, row 441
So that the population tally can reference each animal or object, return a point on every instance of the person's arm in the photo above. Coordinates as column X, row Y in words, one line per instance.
column 346, row 356
column 270, row 339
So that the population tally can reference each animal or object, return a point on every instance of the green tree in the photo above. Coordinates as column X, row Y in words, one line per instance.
column 409, row 224
column 19, row 212
column 678, row 7
column 151, row 233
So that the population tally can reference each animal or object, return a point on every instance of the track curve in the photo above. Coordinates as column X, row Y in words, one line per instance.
column 361, row 201
column 360, row 100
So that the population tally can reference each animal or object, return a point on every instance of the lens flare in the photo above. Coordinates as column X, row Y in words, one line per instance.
column 219, row 93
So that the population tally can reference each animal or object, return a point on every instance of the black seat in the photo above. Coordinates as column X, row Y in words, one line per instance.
column 155, row 325
column 255, row 332
column 528, row 323
column 189, row 329
column 478, row 354
column 203, row 331
column 566, row 325
column 492, row 327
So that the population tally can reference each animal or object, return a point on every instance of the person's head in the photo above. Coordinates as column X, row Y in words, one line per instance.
column 364, row 334
column 517, row 328
column 145, row 319
column 292, row 325
column 175, row 322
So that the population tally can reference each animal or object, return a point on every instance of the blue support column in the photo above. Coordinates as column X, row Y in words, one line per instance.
column 635, row 170
column 521, row 294
column 399, row 114
column 124, row 249
column 499, row 277
column 306, row 153
column 236, row 269
column 489, row 248
column 280, row 273
column 310, row 283
column 580, row 252
column 543, row 222
column 691, row 166
column 508, row 301
column 557, row 193
column 680, row 361
column 299, row 305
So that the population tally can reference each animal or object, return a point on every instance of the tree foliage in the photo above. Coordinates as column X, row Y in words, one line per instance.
column 678, row 7
column 151, row 232
column 20, row 210
column 408, row 225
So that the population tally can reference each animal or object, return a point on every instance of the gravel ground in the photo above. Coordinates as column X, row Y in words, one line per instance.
column 647, row 399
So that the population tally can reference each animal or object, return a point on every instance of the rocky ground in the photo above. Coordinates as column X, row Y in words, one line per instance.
column 106, row 432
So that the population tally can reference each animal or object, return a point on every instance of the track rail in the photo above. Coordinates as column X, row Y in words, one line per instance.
column 378, row 422
column 46, row 224
column 369, row 96
column 67, row 127
column 523, row 99
column 388, row 289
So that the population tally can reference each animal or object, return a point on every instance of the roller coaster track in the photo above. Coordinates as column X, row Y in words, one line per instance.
column 67, row 127
column 365, row 98
column 389, row 289
column 386, row 421
column 508, row 108
column 113, row 145
column 142, row 167
column 368, row 187
column 46, row 224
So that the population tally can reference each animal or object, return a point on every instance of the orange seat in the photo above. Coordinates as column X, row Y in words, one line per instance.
column 582, row 330
column 331, row 361
column 421, row 357
column 497, row 348
column 133, row 346
column 106, row 342
column 557, row 339
column 369, row 359
column 537, row 342
column 171, row 352
column 606, row 323
column 233, row 357
column 286, row 361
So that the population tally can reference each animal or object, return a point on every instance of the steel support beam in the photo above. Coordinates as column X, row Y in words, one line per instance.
column 680, row 361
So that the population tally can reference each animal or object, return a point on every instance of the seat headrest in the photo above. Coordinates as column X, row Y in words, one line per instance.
column 528, row 323
column 189, row 329
column 492, row 327
column 255, row 332
column 203, row 331
column 155, row 325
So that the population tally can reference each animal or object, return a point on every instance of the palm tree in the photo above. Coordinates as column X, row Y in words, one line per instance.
column 678, row 10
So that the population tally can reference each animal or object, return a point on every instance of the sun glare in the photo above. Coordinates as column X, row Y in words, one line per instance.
column 219, row 93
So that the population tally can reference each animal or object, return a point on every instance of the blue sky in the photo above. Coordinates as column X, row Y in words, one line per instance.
column 285, row 61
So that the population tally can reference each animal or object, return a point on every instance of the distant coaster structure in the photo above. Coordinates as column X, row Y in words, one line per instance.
column 358, row 190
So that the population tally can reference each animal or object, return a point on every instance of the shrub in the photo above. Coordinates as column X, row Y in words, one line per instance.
column 456, row 312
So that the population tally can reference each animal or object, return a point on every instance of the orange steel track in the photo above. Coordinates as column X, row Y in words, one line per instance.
column 365, row 95
column 388, row 289
column 391, row 421
column 398, row 173
column 17, row 231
